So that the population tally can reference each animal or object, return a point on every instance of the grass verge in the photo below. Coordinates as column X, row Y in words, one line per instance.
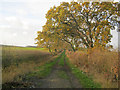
column 42, row 71
column 61, row 62
column 84, row 80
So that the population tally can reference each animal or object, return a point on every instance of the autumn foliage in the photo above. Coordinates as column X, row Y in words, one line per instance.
column 78, row 24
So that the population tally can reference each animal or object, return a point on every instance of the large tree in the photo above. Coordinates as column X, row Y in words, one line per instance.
column 51, row 41
column 87, row 23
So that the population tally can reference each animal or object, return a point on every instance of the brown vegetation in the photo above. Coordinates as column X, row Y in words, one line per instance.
column 101, row 64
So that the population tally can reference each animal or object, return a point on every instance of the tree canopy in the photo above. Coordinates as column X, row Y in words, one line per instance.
column 79, row 24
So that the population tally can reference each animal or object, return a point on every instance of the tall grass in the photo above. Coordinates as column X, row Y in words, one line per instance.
column 17, row 61
column 101, row 64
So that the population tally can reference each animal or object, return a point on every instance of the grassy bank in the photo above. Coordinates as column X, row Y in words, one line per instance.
column 100, row 64
column 61, row 62
column 85, row 81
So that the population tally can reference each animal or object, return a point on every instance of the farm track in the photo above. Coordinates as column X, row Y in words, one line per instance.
column 54, row 80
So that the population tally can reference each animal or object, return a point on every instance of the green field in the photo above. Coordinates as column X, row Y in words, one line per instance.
column 23, row 48
column 31, row 48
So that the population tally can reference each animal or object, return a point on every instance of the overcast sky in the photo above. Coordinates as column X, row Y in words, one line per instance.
column 21, row 19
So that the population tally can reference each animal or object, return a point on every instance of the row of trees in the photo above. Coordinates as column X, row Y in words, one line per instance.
column 77, row 24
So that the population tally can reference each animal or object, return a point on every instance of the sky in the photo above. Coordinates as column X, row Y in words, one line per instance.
column 21, row 19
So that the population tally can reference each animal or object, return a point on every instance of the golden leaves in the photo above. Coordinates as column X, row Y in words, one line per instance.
column 68, row 29
column 87, row 33
column 98, row 30
column 60, row 29
column 64, row 20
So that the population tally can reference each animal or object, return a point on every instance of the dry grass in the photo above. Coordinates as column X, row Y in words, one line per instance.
column 9, row 74
column 101, row 64
column 20, row 61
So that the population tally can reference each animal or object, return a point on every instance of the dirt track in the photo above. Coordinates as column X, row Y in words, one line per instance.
column 57, row 80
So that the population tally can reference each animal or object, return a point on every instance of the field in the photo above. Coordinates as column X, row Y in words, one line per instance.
column 18, row 61
column 16, row 55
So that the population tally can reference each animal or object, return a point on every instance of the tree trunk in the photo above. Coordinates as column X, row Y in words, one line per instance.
column 73, row 49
